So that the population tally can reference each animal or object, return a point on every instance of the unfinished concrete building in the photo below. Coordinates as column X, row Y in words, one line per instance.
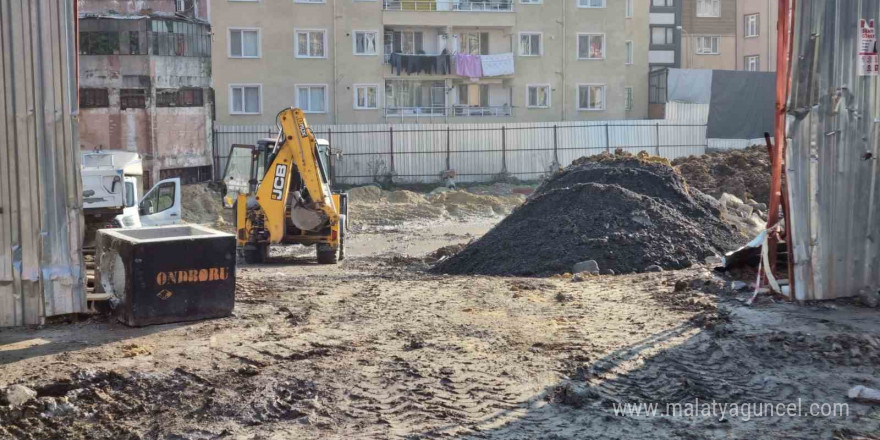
column 145, row 77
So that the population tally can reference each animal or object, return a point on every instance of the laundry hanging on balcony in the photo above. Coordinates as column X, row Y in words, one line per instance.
column 468, row 65
column 428, row 64
column 497, row 65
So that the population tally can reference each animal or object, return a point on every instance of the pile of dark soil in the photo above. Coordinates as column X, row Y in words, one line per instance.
column 624, row 212
column 743, row 173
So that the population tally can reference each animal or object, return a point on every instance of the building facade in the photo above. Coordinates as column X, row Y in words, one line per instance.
column 665, row 34
column 407, row 61
column 756, row 35
column 144, row 83
column 708, row 34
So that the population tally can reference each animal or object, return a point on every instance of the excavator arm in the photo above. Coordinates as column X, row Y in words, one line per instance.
column 312, row 206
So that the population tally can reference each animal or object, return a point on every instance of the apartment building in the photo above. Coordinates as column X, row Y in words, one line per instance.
column 408, row 61
column 665, row 34
column 708, row 33
column 144, row 83
column 756, row 35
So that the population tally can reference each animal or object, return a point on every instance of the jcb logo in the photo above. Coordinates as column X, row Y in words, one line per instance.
column 278, row 182
column 302, row 130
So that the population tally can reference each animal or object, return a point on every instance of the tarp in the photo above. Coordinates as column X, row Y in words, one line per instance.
column 689, row 85
column 742, row 104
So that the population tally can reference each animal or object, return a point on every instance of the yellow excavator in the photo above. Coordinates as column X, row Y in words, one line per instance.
column 289, row 200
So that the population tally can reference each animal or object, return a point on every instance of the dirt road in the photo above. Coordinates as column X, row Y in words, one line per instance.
column 377, row 348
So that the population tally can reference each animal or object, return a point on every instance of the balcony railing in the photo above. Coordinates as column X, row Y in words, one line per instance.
column 462, row 110
column 449, row 5
column 456, row 111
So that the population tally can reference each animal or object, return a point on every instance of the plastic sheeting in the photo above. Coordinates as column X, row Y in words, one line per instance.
column 41, row 270
column 832, row 161
column 689, row 85
column 742, row 104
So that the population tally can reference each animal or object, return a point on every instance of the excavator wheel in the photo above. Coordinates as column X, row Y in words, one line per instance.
column 256, row 256
column 326, row 254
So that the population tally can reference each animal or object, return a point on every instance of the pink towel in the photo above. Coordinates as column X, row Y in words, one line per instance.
column 469, row 66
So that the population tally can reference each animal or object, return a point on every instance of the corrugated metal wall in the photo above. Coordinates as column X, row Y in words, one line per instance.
column 832, row 159
column 41, row 271
column 478, row 152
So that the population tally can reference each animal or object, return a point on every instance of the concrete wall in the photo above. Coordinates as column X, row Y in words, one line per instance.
column 278, row 71
column 764, row 45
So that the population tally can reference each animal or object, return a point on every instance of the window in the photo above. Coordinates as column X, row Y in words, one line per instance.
column 531, row 2
column 365, row 42
column 708, row 45
column 244, row 43
column 708, row 8
column 628, row 11
column 132, row 98
column 751, row 25
column 753, row 63
column 245, row 99
column 628, row 95
column 130, row 195
column 591, row 3
column 98, row 43
column 312, row 98
column 473, row 43
column 663, row 3
column 405, row 42
column 530, row 44
column 538, row 96
column 473, row 95
column 591, row 46
column 134, row 43
column 185, row 6
column 662, row 35
column 181, row 38
column 166, row 196
column 94, row 98
column 591, row 97
column 629, row 52
column 412, row 98
column 366, row 96
column 310, row 44
column 180, row 98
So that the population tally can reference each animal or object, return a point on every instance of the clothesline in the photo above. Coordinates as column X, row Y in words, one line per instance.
column 466, row 65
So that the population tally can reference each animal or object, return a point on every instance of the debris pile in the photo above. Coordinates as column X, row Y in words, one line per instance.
column 373, row 206
column 629, row 214
column 743, row 173
column 202, row 205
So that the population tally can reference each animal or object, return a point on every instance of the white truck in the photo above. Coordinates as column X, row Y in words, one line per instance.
column 112, row 182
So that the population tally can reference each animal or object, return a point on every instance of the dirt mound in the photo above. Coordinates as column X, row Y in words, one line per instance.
column 743, row 173
column 373, row 206
column 202, row 205
column 624, row 212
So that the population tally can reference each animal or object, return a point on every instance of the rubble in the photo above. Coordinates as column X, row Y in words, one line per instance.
column 742, row 173
column 629, row 214
column 202, row 205
column 17, row 395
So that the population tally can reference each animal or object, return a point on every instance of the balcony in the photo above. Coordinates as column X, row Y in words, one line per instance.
column 467, row 111
column 458, row 111
column 486, row 13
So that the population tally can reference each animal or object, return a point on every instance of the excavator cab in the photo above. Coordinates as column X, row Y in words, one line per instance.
column 289, row 199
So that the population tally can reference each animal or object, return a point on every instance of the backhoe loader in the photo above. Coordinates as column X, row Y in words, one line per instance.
column 289, row 200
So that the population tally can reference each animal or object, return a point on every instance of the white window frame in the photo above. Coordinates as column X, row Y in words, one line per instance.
column 243, row 100
column 354, row 44
column 714, row 5
column 326, row 97
column 549, row 95
column 297, row 31
column 604, row 97
column 628, row 9
column 244, row 29
column 629, row 52
column 581, row 4
column 701, row 39
column 628, row 98
column 540, row 43
column 748, row 62
column 531, row 2
column 748, row 25
column 355, row 88
column 588, row 34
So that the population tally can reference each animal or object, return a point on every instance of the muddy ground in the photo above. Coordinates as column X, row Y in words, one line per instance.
column 377, row 348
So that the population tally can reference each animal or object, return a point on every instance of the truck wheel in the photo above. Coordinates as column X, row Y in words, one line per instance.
column 256, row 255
column 326, row 254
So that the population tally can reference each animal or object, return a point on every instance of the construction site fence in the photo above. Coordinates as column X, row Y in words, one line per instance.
column 423, row 153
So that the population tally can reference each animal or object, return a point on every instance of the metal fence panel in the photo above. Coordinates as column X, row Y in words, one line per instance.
column 41, row 270
column 478, row 152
